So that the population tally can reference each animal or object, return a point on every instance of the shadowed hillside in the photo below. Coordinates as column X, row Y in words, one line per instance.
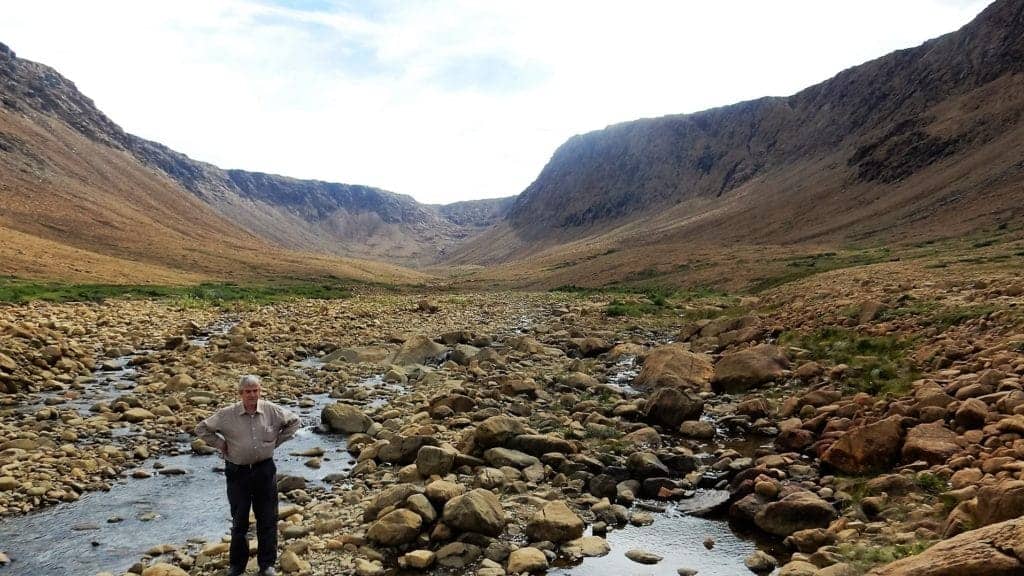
column 922, row 143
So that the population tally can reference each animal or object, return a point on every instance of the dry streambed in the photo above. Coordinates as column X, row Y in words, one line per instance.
column 525, row 433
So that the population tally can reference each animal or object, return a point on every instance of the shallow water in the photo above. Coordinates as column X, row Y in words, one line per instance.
column 679, row 538
column 622, row 374
column 60, row 541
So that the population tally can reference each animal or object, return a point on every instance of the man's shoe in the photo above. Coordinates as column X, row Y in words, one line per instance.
column 268, row 571
column 235, row 571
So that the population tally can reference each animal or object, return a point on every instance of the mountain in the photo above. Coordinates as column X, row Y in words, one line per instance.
column 922, row 143
column 910, row 148
column 75, row 186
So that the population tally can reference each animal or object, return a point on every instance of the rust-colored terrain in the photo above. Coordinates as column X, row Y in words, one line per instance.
column 902, row 157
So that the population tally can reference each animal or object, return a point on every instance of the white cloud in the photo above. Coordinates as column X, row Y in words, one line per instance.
column 447, row 99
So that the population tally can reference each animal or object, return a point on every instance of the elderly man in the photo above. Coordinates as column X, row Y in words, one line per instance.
column 246, row 434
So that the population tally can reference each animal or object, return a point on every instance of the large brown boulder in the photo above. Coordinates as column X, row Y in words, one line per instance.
column 395, row 528
column 932, row 442
column 746, row 369
column 388, row 497
column 357, row 354
column 999, row 502
column 541, row 444
column 345, row 418
column 674, row 365
column 994, row 550
column 497, row 430
column 798, row 511
column 864, row 449
column 670, row 407
column 403, row 449
column 417, row 350
column 554, row 522
column 476, row 511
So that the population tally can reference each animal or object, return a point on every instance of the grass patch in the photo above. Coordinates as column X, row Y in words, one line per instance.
column 931, row 483
column 21, row 291
column 877, row 364
column 865, row 556
column 804, row 266
column 958, row 315
column 932, row 313
column 633, row 309
column 657, row 300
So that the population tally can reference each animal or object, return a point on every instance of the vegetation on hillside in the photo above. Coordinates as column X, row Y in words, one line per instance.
column 17, row 290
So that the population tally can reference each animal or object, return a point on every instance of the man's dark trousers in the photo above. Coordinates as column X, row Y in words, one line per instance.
column 253, row 485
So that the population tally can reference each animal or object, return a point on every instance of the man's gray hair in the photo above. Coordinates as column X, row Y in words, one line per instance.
column 249, row 381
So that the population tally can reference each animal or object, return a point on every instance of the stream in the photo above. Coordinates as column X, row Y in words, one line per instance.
column 79, row 537
column 183, row 500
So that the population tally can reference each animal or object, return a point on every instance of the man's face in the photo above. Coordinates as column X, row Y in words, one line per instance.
column 250, row 396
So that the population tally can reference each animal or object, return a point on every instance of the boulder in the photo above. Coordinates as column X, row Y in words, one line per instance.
column 646, row 465
column 993, row 550
column 746, row 369
column 674, row 365
column 163, row 569
column 497, row 430
column 138, row 415
column 392, row 496
column 798, row 511
column 670, row 407
column 431, row 460
column 541, row 444
column 555, row 522
column 869, row 448
column 7, row 364
column 345, row 418
column 395, row 528
column 589, row 347
column 457, row 555
column 999, row 502
column 499, row 457
column 932, row 442
column 972, row 413
column 527, row 560
column 404, row 449
column 419, row 559
column 587, row 546
column 292, row 564
column 441, row 491
column 417, row 350
column 476, row 511
column 356, row 355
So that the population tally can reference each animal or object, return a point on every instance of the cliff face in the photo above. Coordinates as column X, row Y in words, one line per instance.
column 338, row 219
column 888, row 128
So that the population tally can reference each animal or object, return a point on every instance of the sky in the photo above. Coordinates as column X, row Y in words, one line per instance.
column 444, row 100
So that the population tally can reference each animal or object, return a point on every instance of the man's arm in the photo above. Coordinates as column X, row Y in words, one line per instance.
column 207, row 430
column 290, row 424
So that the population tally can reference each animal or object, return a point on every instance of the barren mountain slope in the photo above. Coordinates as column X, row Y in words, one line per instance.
column 74, row 205
column 921, row 143
column 37, row 105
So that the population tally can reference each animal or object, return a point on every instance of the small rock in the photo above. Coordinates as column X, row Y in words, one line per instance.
column 643, row 556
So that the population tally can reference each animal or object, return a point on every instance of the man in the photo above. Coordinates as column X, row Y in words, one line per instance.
column 246, row 434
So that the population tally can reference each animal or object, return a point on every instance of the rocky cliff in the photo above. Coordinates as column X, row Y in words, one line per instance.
column 920, row 138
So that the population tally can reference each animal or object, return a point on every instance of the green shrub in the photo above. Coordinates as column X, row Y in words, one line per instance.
column 877, row 364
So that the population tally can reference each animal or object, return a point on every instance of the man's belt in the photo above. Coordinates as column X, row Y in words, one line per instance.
column 248, row 466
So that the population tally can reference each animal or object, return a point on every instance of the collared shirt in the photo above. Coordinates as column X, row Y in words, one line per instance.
column 250, row 438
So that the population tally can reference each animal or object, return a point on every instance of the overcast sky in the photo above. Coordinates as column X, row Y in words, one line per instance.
column 443, row 100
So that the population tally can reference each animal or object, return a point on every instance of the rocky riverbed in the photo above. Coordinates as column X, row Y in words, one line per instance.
column 830, row 428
